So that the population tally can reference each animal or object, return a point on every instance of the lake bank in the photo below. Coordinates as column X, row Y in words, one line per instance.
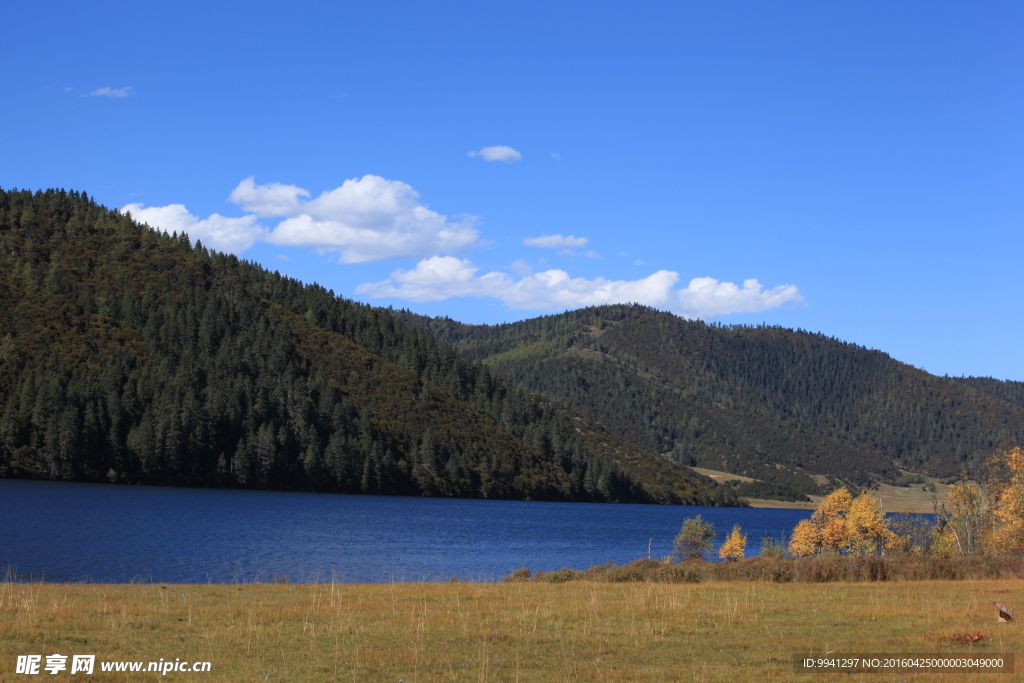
column 502, row 632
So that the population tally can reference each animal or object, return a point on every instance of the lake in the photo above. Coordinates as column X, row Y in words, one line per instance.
column 61, row 531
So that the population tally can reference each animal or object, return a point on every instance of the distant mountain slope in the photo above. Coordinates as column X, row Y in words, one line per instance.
column 771, row 403
column 131, row 356
column 1005, row 390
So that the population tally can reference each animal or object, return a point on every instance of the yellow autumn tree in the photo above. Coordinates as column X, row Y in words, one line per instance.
column 830, row 519
column 944, row 545
column 843, row 523
column 866, row 530
column 806, row 540
column 1007, row 492
column 735, row 545
column 967, row 529
column 986, row 518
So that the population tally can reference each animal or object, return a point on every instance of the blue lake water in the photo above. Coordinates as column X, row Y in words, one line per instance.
column 104, row 533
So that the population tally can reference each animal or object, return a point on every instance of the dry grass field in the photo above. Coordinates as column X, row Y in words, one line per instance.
column 577, row 631
column 720, row 477
column 893, row 498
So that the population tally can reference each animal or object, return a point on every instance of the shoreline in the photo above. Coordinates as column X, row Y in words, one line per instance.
column 821, row 569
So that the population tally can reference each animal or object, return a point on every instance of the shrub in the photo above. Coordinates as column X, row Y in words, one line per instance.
column 773, row 547
column 521, row 574
column 694, row 540
column 561, row 576
column 821, row 569
column 772, row 570
column 688, row 572
column 637, row 570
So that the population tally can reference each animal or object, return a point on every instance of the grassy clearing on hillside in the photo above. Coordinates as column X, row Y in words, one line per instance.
column 791, row 505
column 581, row 631
column 912, row 498
column 721, row 477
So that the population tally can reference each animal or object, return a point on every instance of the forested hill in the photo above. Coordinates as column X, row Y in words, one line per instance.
column 771, row 403
column 131, row 356
column 1005, row 390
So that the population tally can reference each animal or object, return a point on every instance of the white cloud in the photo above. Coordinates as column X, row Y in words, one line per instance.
column 366, row 219
column 565, row 245
column 706, row 297
column 556, row 242
column 233, row 235
column 522, row 267
column 112, row 92
column 273, row 199
column 497, row 153
column 374, row 219
column 444, row 277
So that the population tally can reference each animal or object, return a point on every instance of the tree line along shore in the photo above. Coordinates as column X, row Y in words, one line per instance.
column 849, row 538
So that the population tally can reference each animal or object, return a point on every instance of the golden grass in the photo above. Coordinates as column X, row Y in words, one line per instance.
column 893, row 498
column 791, row 505
column 578, row 631
column 721, row 477
column 911, row 498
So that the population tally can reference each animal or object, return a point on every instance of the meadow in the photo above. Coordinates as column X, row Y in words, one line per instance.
column 509, row 631
column 913, row 498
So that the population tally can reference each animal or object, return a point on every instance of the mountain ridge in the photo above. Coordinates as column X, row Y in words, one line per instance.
column 129, row 355
column 748, row 399
column 197, row 368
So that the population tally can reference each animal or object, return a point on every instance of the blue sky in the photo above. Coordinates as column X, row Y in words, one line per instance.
column 855, row 169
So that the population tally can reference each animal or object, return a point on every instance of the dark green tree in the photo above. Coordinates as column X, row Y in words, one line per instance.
column 694, row 540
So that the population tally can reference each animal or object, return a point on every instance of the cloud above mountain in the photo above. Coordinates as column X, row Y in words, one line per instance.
column 443, row 277
column 372, row 219
column 233, row 235
column 364, row 220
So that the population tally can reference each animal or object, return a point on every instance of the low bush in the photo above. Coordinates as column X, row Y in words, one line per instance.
column 687, row 572
column 521, row 574
column 770, row 569
column 560, row 576
column 821, row 569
